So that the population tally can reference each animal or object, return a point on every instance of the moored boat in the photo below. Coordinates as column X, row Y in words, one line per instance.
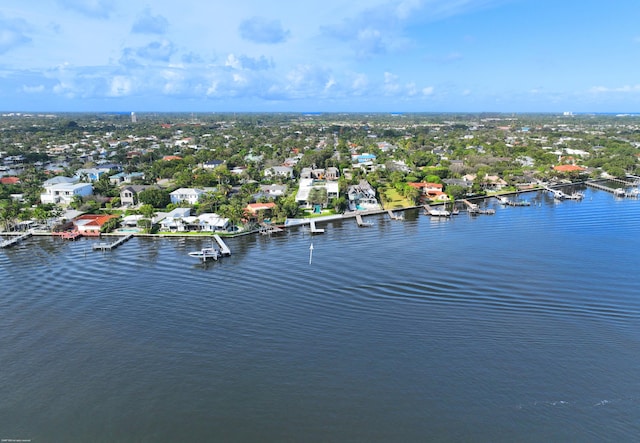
column 205, row 254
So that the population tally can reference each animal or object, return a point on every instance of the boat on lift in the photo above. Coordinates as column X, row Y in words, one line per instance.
column 205, row 254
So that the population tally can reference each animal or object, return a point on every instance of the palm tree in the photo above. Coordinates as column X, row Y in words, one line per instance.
column 9, row 211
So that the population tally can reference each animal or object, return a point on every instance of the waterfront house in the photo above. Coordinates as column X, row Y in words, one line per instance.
column 362, row 197
column 205, row 222
column 307, row 185
column 90, row 224
column 174, row 220
column 431, row 191
column 259, row 211
column 493, row 183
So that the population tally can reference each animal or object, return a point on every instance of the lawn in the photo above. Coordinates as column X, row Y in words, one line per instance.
column 393, row 200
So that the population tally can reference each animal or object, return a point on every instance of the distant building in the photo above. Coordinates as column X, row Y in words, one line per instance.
column 568, row 168
column 134, row 118
column 279, row 171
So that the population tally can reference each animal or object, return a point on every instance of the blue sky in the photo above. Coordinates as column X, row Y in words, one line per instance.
column 329, row 55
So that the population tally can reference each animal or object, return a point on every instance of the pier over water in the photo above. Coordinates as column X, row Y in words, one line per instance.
column 109, row 246
column 15, row 240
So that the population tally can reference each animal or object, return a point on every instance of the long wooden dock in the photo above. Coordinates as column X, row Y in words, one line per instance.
column 618, row 192
column 224, row 249
column 109, row 246
column 15, row 240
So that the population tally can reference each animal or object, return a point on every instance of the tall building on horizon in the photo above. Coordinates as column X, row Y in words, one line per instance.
column 134, row 118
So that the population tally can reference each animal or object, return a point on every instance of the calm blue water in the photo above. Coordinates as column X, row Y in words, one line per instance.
column 521, row 326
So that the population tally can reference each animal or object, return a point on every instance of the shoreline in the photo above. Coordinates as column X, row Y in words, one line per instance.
column 294, row 222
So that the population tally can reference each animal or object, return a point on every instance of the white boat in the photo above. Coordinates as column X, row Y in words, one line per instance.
column 439, row 213
column 575, row 196
column 634, row 193
column 206, row 254
column 619, row 192
column 559, row 195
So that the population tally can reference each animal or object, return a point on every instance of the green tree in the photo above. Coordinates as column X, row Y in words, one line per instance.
column 158, row 198
column 456, row 191
column 9, row 211
column 110, row 225
column 103, row 186
column 287, row 206
column 317, row 196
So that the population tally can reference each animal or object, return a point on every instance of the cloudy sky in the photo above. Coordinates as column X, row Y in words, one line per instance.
column 329, row 55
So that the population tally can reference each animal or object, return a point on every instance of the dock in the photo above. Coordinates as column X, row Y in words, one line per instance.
column 618, row 192
column 270, row 229
column 474, row 209
column 508, row 202
column 15, row 240
column 428, row 210
column 313, row 229
column 109, row 246
column 362, row 223
column 559, row 195
column 624, row 182
column 224, row 249
column 394, row 216
column 471, row 207
column 71, row 235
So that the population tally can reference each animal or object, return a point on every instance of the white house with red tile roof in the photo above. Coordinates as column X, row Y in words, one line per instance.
column 90, row 224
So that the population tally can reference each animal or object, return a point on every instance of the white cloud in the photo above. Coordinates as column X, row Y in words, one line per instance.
column 623, row 89
column 13, row 33
column 147, row 23
column 33, row 89
column 120, row 86
column 427, row 91
column 360, row 83
column 233, row 62
column 262, row 30
column 391, row 85
column 90, row 8
column 330, row 84
column 161, row 51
